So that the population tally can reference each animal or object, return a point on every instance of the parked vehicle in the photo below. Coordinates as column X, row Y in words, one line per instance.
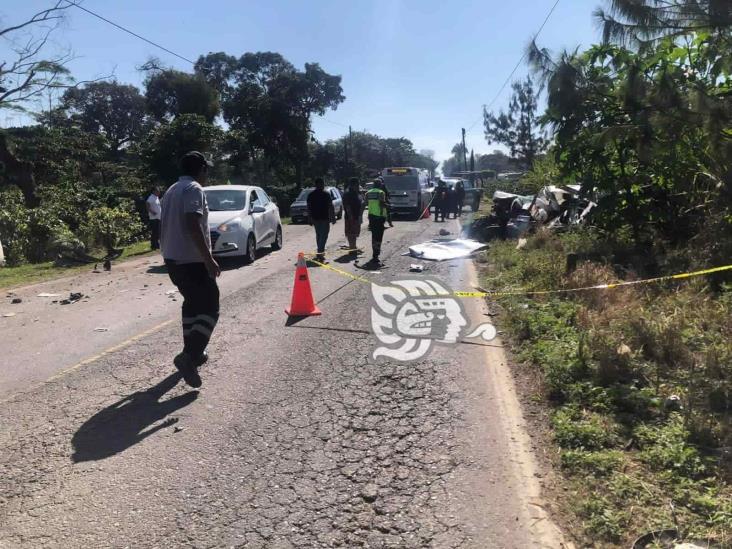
column 408, row 188
column 299, row 208
column 241, row 219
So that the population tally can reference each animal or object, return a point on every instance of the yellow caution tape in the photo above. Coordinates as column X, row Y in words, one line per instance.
column 502, row 293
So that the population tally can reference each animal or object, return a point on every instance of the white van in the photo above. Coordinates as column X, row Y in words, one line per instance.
column 408, row 189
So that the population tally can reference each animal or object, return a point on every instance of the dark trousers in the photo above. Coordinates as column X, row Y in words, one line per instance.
column 200, row 304
column 439, row 211
column 376, row 225
column 322, row 229
column 154, row 233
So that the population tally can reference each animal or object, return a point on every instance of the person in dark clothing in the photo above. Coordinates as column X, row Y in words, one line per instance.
column 186, row 247
column 460, row 197
column 353, row 210
column 451, row 202
column 320, row 215
column 439, row 201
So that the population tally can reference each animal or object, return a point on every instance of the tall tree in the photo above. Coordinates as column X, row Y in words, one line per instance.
column 171, row 93
column 270, row 101
column 114, row 110
column 30, row 73
column 641, row 22
column 518, row 128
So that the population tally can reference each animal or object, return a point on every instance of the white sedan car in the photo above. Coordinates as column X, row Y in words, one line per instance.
column 242, row 218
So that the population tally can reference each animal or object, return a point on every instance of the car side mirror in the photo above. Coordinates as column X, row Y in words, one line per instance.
column 258, row 209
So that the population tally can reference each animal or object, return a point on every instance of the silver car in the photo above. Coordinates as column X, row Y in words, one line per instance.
column 241, row 219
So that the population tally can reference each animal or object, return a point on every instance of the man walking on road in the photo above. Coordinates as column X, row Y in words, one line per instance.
column 153, row 215
column 321, row 214
column 353, row 209
column 376, row 201
column 186, row 249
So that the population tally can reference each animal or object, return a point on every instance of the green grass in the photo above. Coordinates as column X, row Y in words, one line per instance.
column 31, row 273
column 609, row 361
column 286, row 220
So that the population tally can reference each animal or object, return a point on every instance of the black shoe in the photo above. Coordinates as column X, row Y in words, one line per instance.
column 187, row 369
column 201, row 360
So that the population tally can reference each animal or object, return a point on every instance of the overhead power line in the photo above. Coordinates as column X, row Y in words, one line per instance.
column 128, row 31
column 171, row 52
column 520, row 61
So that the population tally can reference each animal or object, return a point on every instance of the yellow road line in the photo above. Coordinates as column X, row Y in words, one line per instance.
column 94, row 358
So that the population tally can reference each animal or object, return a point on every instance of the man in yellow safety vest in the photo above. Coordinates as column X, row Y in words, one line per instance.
column 378, row 214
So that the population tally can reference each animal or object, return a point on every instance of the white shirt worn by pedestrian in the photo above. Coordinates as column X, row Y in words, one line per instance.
column 154, row 209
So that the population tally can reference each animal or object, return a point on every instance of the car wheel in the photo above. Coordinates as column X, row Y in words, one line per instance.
column 277, row 244
column 251, row 254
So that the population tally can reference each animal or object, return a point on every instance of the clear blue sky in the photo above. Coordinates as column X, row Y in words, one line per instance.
column 420, row 69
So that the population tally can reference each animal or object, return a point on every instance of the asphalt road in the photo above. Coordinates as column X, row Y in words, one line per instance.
column 296, row 439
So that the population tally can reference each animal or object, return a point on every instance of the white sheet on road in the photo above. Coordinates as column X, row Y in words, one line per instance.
column 442, row 250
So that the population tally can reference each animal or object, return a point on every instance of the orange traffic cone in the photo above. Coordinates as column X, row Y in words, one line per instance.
column 302, row 296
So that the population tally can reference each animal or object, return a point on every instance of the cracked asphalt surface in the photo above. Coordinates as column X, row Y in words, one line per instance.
column 296, row 439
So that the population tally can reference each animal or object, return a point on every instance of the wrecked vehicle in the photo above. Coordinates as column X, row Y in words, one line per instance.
column 514, row 215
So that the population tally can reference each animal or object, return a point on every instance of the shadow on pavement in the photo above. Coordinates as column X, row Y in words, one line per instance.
column 237, row 262
column 128, row 421
column 157, row 269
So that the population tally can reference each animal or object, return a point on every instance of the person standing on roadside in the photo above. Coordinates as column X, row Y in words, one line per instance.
column 460, row 197
column 321, row 214
column 378, row 213
column 353, row 210
column 153, row 215
column 186, row 247
column 439, row 200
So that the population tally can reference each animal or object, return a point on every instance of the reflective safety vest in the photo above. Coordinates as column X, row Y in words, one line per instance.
column 374, row 198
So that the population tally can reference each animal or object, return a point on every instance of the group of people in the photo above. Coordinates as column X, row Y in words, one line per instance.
column 321, row 215
column 448, row 200
column 180, row 220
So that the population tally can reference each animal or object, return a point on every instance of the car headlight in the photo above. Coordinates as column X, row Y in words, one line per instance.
column 228, row 227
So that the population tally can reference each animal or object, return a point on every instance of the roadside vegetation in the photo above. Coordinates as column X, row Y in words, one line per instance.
column 73, row 183
column 639, row 378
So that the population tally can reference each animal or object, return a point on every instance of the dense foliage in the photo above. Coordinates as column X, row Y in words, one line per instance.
column 77, row 179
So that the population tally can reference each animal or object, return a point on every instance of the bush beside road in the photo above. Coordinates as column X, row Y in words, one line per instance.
column 636, row 382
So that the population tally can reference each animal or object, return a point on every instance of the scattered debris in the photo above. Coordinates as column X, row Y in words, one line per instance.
column 177, row 429
column 46, row 294
column 651, row 539
column 442, row 250
column 521, row 243
column 444, row 232
column 100, row 329
column 673, row 403
column 16, row 300
column 171, row 292
column 415, row 268
column 73, row 298
column 8, row 315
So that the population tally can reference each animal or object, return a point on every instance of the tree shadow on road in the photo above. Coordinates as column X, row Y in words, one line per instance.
column 128, row 421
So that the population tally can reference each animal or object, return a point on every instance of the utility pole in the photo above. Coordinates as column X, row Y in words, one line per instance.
column 465, row 154
column 350, row 145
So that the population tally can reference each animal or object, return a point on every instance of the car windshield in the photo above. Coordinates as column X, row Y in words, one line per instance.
column 226, row 200
column 303, row 196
